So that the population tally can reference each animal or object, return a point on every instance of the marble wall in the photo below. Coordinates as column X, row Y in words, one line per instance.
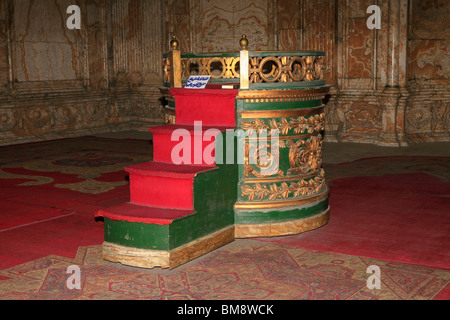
column 57, row 82
column 390, row 85
column 428, row 116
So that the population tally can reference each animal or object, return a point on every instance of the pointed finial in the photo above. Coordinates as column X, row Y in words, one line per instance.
column 244, row 42
column 174, row 44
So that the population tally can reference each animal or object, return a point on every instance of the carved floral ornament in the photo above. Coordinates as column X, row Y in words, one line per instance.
column 305, row 156
column 274, row 191
column 266, row 161
column 301, row 124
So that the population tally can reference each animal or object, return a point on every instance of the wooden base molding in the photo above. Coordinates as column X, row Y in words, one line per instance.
column 147, row 258
column 282, row 203
column 282, row 228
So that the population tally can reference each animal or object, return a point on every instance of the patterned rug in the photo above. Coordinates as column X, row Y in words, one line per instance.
column 242, row 270
column 50, row 190
column 87, row 165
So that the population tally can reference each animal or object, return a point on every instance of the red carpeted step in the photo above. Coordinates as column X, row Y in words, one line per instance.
column 185, row 144
column 214, row 107
column 161, row 169
column 163, row 185
column 143, row 214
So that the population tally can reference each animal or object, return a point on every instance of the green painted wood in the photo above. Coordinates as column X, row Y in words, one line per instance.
column 286, row 85
column 274, row 215
column 137, row 235
column 242, row 105
column 303, row 53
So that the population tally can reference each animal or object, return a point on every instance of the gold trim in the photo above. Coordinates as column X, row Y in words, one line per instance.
column 280, row 179
column 316, row 93
column 244, row 71
column 298, row 136
column 251, row 114
column 135, row 257
column 282, row 191
column 299, row 124
column 278, row 204
column 282, row 228
column 175, row 68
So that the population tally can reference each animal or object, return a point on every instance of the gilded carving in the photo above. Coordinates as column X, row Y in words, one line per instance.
column 266, row 68
column 301, row 124
column 169, row 118
column 274, row 191
column 256, row 125
column 283, row 95
column 216, row 67
column 304, row 155
column 285, row 69
column 266, row 161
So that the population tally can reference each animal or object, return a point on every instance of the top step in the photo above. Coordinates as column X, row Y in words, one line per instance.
column 214, row 107
column 186, row 144
column 168, row 129
column 168, row 170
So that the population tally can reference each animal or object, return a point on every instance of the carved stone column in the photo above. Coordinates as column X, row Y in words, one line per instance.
column 395, row 94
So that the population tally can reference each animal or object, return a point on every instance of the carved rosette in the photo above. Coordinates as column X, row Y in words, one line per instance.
column 305, row 156
column 265, row 157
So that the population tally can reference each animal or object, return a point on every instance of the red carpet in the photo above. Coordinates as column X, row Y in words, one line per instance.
column 403, row 217
column 50, row 190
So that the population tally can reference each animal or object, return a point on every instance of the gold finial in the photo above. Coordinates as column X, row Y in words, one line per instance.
column 244, row 42
column 174, row 44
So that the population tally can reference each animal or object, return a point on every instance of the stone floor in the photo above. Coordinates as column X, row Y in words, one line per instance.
column 340, row 151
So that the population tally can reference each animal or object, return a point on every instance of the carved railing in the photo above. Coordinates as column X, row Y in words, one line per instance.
column 249, row 69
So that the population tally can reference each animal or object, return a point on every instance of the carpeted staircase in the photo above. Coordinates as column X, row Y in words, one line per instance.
column 186, row 206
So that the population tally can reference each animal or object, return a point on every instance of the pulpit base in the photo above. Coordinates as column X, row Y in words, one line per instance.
column 282, row 228
column 146, row 258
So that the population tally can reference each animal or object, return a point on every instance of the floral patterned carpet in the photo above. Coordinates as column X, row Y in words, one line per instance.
column 244, row 269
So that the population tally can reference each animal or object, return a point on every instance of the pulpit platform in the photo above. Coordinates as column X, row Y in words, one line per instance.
column 241, row 158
